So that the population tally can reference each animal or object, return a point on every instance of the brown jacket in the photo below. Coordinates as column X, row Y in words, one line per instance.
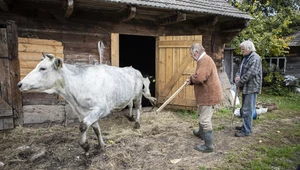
column 207, row 86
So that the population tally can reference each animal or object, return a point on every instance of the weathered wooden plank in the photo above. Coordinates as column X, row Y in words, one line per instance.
column 114, row 49
column 40, row 48
column 16, row 98
column 178, row 43
column 82, row 45
column 35, row 56
column 29, row 63
column 4, row 6
column 175, row 77
column 8, row 123
column 176, row 64
column 181, row 58
column 1, row 123
column 3, row 43
column 4, row 70
column 30, row 56
column 34, row 98
column 43, row 113
column 161, row 78
column 38, row 41
column 25, row 71
column 5, row 108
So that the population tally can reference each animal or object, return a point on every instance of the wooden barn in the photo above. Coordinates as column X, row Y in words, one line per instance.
column 293, row 58
column 153, row 36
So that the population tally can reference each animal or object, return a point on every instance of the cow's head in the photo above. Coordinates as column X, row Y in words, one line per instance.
column 45, row 77
column 146, row 82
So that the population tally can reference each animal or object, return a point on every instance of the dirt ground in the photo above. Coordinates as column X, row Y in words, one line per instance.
column 164, row 141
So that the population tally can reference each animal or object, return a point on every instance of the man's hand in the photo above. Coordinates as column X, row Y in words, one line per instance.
column 237, row 79
column 188, row 81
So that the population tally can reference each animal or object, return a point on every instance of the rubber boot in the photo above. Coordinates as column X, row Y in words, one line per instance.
column 209, row 145
column 199, row 132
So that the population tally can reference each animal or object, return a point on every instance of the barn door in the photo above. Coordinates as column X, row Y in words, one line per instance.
column 174, row 65
column 115, row 49
column 10, row 97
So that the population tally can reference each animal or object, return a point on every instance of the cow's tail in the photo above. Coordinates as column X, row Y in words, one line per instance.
column 151, row 99
column 146, row 92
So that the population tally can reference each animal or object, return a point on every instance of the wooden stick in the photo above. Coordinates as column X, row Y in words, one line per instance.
column 234, row 103
column 173, row 95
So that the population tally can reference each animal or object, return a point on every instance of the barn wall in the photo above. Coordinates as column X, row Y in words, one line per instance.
column 293, row 62
column 80, row 46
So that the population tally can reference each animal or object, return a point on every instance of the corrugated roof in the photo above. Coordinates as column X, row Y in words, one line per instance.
column 218, row 7
column 296, row 40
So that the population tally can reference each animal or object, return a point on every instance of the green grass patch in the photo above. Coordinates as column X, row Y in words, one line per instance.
column 225, row 112
column 276, row 143
column 191, row 114
column 275, row 157
column 291, row 102
column 263, row 157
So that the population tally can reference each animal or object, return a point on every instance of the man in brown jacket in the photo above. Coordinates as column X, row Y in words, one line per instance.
column 208, row 92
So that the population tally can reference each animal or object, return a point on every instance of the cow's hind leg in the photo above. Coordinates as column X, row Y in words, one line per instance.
column 97, row 131
column 138, row 107
column 130, row 115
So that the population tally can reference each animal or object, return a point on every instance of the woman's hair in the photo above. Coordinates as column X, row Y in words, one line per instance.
column 248, row 45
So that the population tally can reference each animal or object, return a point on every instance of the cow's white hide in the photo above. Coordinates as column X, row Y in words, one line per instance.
column 92, row 91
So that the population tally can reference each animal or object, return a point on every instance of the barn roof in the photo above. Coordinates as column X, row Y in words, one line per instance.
column 167, row 16
column 215, row 7
column 296, row 40
column 219, row 7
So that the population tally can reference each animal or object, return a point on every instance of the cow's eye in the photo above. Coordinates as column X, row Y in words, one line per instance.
column 42, row 69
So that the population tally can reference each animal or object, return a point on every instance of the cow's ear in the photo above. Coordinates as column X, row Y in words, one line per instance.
column 44, row 56
column 58, row 63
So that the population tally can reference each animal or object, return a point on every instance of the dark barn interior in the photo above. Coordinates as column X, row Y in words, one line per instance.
column 139, row 52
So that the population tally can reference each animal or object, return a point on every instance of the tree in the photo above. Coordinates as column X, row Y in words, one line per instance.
column 268, row 6
column 270, row 31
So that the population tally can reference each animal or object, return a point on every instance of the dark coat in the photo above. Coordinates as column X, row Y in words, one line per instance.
column 251, row 80
column 207, row 85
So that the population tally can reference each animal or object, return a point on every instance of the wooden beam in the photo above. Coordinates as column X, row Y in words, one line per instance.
column 174, row 18
column 68, row 7
column 207, row 21
column 4, row 5
column 234, row 26
column 126, row 14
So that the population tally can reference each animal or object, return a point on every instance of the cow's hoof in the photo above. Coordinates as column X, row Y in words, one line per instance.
column 85, row 146
column 137, row 125
column 130, row 118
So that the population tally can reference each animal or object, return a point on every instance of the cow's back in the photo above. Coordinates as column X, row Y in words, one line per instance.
column 111, row 86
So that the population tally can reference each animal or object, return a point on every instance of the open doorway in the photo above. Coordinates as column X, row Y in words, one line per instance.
column 139, row 52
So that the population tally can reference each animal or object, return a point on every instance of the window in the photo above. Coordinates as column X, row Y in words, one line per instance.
column 277, row 62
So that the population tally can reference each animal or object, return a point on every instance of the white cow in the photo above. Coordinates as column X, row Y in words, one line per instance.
column 92, row 91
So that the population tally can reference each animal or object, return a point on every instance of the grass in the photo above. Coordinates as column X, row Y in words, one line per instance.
column 280, row 148
column 190, row 114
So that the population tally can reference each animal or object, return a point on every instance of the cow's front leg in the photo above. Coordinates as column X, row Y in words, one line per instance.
column 83, row 142
column 92, row 120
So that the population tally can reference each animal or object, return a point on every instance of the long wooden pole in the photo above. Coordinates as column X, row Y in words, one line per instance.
column 173, row 95
column 234, row 103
